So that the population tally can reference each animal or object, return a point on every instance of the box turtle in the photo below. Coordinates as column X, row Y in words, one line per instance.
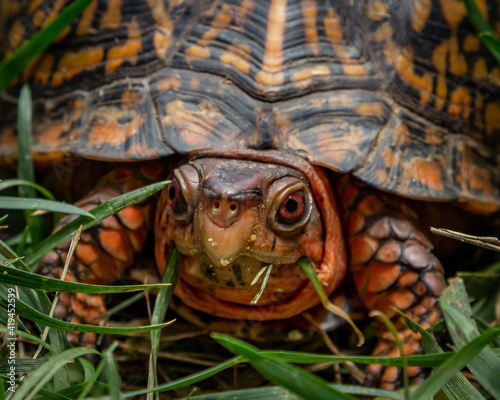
column 313, row 129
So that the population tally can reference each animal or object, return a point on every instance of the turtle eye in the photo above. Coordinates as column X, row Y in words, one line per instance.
column 290, row 205
column 291, row 209
column 176, row 199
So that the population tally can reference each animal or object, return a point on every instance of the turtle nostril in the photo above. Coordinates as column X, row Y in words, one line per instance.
column 216, row 204
column 233, row 206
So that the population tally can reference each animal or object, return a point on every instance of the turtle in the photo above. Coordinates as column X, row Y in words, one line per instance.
column 288, row 129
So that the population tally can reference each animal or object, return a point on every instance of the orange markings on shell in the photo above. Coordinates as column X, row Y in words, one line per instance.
column 236, row 61
column 85, row 23
column 429, row 173
column 309, row 14
column 112, row 17
column 321, row 70
column 73, row 63
column 491, row 118
column 472, row 43
column 161, row 41
column 421, row 12
column 169, row 82
column 271, row 73
column 129, row 50
column 460, row 102
column 198, row 51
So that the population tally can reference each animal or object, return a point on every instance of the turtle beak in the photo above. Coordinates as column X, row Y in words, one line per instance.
column 227, row 227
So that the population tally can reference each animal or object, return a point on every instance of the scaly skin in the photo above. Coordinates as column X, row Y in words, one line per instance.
column 105, row 250
column 393, row 267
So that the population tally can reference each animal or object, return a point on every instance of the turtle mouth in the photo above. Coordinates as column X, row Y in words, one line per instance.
column 240, row 281
column 227, row 291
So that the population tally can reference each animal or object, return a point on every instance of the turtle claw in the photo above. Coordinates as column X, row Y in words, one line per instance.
column 82, row 308
column 390, row 377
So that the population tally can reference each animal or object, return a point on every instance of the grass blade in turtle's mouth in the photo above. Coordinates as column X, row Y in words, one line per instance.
column 268, row 270
column 238, row 281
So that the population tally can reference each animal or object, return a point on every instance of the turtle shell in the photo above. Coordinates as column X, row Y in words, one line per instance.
column 401, row 94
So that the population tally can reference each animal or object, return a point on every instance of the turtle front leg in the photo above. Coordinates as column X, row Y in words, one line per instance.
column 393, row 267
column 104, row 251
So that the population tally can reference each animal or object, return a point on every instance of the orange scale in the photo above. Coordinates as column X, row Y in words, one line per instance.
column 382, row 276
column 116, row 244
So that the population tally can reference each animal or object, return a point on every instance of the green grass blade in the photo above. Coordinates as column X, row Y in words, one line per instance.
column 111, row 372
column 31, row 337
column 291, row 377
column 6, row 252
column 46, row 394
column 425, row 361
column 4, row 316
column 458, row 315
column 458, row 387
column 308, row 269
column 161, row 305
column 20, row 59
column 481, row 284
column 90, row 383
column 66, row 393
column 486, row 365
column 27, row 312
column 186, row 381
column 16, row 277
column 44, row 374
column 100, row 212
column 454, row 365
column 23, row 366
column 19, row 203
column 9, row 183
column 392, row 329
column 25, row 168
column 483, row 28
column 278, row 393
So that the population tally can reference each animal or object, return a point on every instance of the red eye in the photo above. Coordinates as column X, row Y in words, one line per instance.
column 176, row 200
column 292, row 208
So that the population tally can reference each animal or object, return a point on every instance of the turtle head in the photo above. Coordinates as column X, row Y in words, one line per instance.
column 232, row 218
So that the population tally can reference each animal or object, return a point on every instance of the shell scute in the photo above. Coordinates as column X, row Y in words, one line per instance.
column 402, row 94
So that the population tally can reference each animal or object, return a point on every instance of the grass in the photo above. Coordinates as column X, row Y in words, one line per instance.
column 62, row 372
